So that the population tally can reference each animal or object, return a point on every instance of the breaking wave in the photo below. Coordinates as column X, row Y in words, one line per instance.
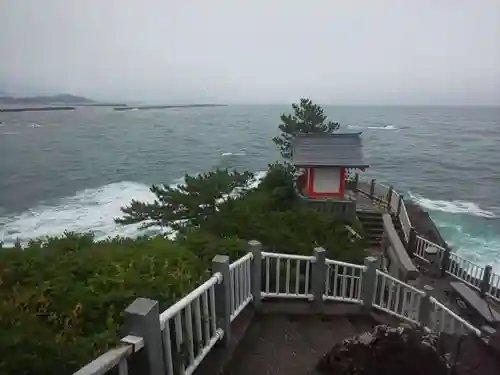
column 88, row 210
column 453, row 207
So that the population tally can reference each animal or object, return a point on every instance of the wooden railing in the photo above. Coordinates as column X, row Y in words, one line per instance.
column 176, row 341
column 476, row 276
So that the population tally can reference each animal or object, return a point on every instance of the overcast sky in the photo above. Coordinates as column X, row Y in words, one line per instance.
column 256, row 51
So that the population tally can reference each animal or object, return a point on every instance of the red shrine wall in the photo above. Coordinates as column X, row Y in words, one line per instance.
column 325, row 182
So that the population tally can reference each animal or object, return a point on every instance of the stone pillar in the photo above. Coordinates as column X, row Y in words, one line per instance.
column 425, row 310
column 400, row 204
column 445, row 260
column 220, row 263
column 372, row 188
column 255, row 248
column 389, row 198
column 318, row 276
column 412, row 242
column 142, row 319
column 369, row 285
column 484, row 287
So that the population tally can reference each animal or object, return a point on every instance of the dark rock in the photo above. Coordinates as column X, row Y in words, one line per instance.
column 387, row 351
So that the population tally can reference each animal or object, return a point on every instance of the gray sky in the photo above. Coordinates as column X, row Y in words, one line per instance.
column 256, row 51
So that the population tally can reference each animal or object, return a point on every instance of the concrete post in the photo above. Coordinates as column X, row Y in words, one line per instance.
column 372, row 188
column 142, row 319
column 318, row 276
column 412, row 242
column 368, row 287
column 389, row 198
column 400, row 204
column 220, row 263
column 425, row 310
column 256, row 271
column 445, row 260
column 484, row 287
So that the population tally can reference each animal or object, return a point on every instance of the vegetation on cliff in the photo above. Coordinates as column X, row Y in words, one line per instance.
column 61, row 299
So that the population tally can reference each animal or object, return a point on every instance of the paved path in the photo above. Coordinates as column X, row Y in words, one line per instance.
column 282, row 345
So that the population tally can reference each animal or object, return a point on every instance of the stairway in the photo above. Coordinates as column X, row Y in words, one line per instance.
column 373, row 227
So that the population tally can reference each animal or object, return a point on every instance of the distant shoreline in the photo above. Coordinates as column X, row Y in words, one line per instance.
column 143, row 107
column 34, row 109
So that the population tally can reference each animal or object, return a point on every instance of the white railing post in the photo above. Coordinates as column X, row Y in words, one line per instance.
column 256, row 271
column 425, row 310
column 142, row 318
column 369, row 286
column 318, row 277
column 484, row 287
column 223, row 291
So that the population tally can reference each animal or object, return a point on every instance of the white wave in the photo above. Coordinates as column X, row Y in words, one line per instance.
column 385, row 127
column 241, row 153
column 453, row 207
column 88, row 210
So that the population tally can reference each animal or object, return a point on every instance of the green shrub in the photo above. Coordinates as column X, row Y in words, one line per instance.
column 62, row 299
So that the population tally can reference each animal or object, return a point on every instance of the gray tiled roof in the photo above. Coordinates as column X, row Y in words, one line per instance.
column 334, row 150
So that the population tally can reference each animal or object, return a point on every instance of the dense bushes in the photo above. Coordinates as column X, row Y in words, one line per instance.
column 62, row 299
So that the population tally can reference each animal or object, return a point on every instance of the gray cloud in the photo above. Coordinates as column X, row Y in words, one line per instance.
column 256, row 51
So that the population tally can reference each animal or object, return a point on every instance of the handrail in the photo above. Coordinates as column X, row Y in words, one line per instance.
column 113, row 358
column 240, row 279
column 186, row 300
column 287, row 256
column 344, row 264
column 458, row 267
column 240, row 261
column 445, row 310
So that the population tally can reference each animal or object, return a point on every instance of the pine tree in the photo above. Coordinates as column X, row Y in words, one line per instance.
column 307, row 118
column 186, row 205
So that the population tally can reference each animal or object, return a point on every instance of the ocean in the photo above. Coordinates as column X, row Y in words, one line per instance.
column 74, row 170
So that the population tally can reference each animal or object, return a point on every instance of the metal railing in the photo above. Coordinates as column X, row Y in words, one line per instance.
column 241, row 287
column 422, row 244
column 456, row 266
column 464, row 270
column 176, row 341
column 114, row 358
column 445, row 320
column 186, row 348
column 397, row 298
column 343, row 281
column 287, row 275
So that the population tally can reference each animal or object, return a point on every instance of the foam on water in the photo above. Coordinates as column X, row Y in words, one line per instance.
column 462, row 225
column 385, row 127
column 453, row 207
column 88, row 210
